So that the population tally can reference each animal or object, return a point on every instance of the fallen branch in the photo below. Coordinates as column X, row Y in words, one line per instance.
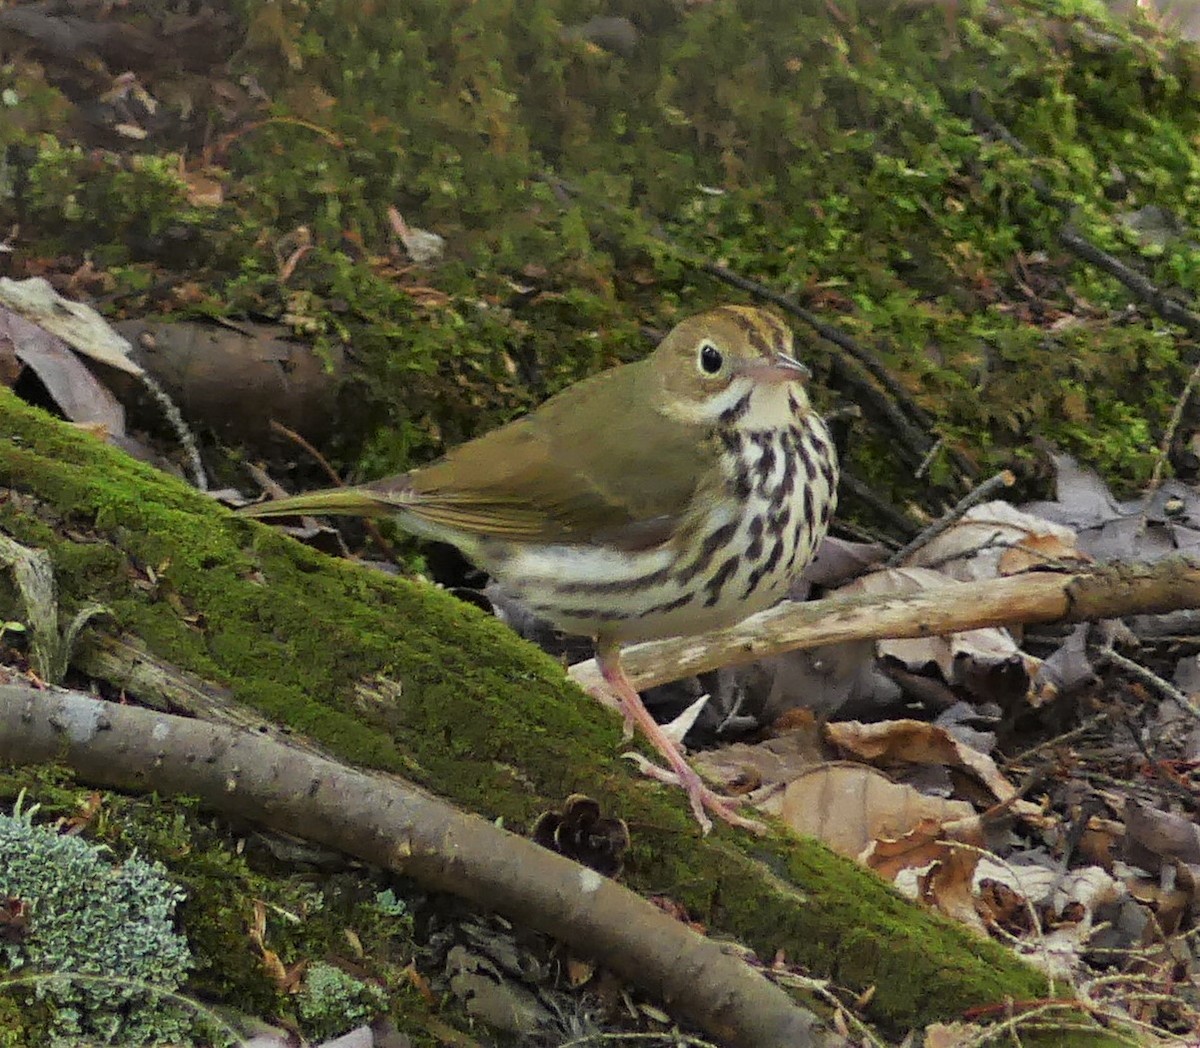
column 390, row 823
column 1106, row 592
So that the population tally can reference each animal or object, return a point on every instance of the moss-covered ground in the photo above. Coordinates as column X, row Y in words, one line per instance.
column 478, row 715
column 825, row 150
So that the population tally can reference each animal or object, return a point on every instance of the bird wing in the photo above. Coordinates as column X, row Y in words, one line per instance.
column 597, row 463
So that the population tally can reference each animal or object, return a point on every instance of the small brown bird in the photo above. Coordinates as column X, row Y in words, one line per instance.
column 663, row 498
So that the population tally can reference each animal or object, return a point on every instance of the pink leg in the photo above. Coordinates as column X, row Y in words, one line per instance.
column 700, row 796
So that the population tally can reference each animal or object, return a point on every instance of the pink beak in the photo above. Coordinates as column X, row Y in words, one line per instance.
column 780, row 369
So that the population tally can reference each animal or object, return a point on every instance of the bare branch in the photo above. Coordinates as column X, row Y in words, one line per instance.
column 1003, row 479
column 386, row 821
column 1105, row 592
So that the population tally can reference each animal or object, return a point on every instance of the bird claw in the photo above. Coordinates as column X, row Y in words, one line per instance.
column 700, row 796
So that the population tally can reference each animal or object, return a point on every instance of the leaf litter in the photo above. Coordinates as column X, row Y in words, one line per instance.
column 1022, row 784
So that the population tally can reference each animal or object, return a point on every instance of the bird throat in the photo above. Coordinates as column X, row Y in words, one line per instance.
column 753, row 525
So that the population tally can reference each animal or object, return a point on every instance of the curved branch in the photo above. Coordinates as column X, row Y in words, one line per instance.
column 386, row 821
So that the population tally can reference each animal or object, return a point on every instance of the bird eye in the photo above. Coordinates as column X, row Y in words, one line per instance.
column 710, row 359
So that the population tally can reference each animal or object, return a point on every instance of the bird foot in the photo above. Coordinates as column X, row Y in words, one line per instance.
column 700, row 796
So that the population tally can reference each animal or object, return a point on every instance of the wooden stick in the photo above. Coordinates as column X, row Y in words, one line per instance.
column 1106, row 592
column 391, row 823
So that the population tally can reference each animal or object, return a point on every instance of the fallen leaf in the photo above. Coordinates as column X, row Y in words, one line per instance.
column 849, row 807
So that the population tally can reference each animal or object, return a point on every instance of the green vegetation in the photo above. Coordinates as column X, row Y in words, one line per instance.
column 826, row 151
column 98, row 957
column 331, row 1002
column 400, row 676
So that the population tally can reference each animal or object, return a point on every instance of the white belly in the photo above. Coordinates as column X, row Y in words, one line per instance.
column 737, row 562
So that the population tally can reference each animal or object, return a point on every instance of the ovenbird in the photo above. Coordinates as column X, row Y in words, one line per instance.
column 661, row 498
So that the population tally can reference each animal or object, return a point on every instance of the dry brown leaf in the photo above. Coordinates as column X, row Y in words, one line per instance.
column 579, row 972
column 1170, row 905
column 891, row 743
column 947, row 886
column 1066, row 903
column 850, row 807
column 995, row 539
column 764, row 766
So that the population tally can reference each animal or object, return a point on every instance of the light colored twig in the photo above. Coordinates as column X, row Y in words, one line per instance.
column 1003, row 479
column 1104, row 592
column 1149, row 677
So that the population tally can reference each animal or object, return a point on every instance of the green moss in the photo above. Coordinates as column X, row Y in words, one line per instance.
column 828, row 152
column 332, row 1002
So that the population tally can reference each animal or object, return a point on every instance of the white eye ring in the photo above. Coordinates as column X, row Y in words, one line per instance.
column 709, row 359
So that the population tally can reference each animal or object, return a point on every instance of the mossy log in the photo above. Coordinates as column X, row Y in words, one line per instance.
column 461, row 707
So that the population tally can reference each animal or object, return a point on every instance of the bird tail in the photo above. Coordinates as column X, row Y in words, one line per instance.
column 348, row 502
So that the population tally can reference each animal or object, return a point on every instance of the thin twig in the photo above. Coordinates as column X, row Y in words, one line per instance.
column 1059, row 740
column 1143, row 289
column 1003, row 479
column 1164, row 446
column 1096, row 593
column 1151, row 679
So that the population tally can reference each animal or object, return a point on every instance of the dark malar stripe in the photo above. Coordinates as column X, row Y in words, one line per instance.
column 730, row 416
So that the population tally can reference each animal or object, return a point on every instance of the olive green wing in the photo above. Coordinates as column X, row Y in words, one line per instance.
column 597, row 463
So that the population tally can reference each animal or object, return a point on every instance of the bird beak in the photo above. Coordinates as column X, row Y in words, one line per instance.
column 780, row 368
